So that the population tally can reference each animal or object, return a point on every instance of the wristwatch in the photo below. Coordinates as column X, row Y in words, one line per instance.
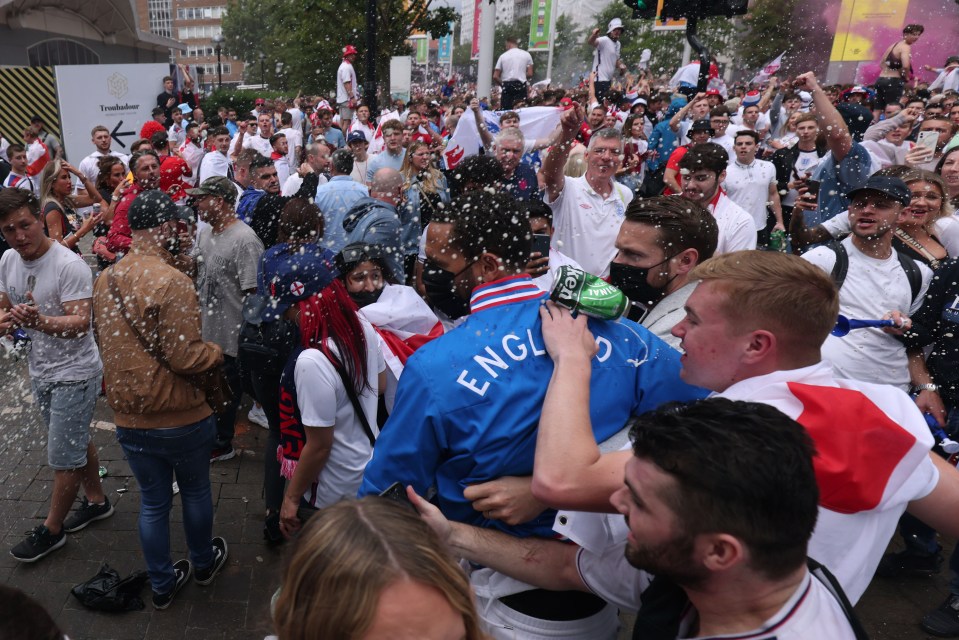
column 926, row 387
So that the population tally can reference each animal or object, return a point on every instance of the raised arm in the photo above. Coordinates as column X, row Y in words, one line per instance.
column 555, row 162
column 593, row 37
column 837, row 133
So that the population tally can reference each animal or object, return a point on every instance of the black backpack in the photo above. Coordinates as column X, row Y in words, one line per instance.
column 913, row 274
column 264, row 347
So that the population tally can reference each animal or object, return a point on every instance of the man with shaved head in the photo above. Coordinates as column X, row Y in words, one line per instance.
column 375, row 220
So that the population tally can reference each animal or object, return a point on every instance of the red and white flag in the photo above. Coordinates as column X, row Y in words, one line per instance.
column 376, row 144
column 403, row 322
column 769, row 70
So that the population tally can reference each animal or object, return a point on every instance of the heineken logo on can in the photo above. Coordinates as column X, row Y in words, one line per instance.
column 583, row 292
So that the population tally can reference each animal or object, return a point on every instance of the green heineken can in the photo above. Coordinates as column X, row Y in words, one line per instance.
column 585, row 293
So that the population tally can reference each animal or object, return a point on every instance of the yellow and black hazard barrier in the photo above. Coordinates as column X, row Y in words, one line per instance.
column 26, row 92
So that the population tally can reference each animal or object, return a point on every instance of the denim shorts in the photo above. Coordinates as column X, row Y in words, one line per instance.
column 67, row 410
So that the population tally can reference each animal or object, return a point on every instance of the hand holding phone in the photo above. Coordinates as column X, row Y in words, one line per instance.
column 396, row 492
column 928, row 139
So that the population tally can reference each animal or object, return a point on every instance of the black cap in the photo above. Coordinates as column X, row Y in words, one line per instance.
column 889, row 186
column 150, row 209
column 36, row 119
column 702, row 125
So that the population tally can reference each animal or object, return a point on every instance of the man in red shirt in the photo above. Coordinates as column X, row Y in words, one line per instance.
column 145, row 166
column 700, row 132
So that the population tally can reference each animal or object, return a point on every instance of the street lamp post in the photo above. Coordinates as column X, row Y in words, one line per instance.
column 262, row 71
column 218, row 45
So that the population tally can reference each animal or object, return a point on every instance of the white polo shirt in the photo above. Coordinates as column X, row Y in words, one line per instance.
column 605, row 56
column 748, row 186
column 585, row 224
column 253, row 140
column 512, row 65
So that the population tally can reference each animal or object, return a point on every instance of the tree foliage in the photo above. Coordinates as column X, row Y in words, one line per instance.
column 769, row 30
column 308, row 37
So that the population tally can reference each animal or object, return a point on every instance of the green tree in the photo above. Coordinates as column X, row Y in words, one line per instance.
column 768, row 31
column 308, row 37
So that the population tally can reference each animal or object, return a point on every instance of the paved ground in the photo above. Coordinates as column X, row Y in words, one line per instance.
column 236, row 606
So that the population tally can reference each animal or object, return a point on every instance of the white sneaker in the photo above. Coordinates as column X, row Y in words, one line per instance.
column 258, row 416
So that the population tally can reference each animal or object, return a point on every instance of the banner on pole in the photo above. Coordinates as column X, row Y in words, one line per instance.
column 422, row 44
column 540, row 34
column 444, row 51
column 769, row 70
column 477, row 12
column 859, row 22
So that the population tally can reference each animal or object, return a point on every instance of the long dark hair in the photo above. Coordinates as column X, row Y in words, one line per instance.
column 330, row 315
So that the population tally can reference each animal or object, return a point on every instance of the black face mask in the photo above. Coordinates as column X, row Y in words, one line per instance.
column 364, row 298
column 440, row 289
column 633, row 282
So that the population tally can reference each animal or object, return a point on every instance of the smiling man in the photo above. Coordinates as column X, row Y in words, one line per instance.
column 876, row 284
column 587, row 211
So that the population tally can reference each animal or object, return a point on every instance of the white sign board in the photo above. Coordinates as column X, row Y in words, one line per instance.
column 118, row 96
column 401, row 77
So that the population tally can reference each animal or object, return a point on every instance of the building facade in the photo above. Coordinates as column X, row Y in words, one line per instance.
column 195, row 23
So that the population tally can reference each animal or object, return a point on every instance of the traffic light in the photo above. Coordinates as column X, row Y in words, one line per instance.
column 645, row 8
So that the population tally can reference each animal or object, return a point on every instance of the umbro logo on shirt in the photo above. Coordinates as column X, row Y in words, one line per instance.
column 583, row 205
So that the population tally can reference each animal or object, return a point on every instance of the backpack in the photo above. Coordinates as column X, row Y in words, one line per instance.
column 913, row 274
column 264, row 347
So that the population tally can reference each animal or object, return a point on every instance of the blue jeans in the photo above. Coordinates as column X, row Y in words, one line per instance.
column 155, row 455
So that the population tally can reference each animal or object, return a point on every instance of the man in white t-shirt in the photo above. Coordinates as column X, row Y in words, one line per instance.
column 18, row 178
column 743, row 339
column 587, row 211
column 216, row 162
column 45, row 302
column 258, row 140
column 347, row 87
column 513, row 70
column 875, row 285
column 722, row 532
column 751, row 184
column 89, row 166
column 704, row 169
column 177, row 130
column 606, row 62
column 294, row 139
column 362, row 123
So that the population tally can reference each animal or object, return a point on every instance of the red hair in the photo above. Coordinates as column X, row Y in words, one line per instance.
column 330, row 316
column 151, row 127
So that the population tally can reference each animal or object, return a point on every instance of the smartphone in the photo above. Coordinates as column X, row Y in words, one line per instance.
column 396, row 492
column 813, row 188
column 928, row 139
column 541, row 244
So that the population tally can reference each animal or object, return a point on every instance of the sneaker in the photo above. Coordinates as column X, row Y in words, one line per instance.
column 182, row 569
column 222, row 453
column 944, row 621
column 38, row 544
column 87, row 513
column 220, row 554
column 271, row 529
column 909, row 563
column 258, row 416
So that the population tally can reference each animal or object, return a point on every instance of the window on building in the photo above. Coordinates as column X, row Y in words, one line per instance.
column 60, row 51
column 199, row 32
column 200, row 13
column 160, row 17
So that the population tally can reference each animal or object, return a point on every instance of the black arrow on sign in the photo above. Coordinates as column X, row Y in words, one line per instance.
column 116, row 133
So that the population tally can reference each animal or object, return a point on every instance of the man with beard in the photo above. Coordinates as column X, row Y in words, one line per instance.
column 704, row 169
column 661, row 240
column 265, row 204
column 877, row 283
column 477, row 422
column 718, row 497
column 587, row 211
column 743, row 339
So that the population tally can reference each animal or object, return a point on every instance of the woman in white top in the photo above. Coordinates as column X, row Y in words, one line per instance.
column 325, row 453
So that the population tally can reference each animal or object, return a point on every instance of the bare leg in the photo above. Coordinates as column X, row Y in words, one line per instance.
column 91, row 476
column 66, row 484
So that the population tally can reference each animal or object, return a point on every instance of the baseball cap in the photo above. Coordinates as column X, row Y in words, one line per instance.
column 713, row 92
column 858, row 89
column 259, row 101
column 292, row 277
column 615, row 23
column 356, row 136
column 323, row 105
column 218, row 186
column 750, row 99
column 566, row 103
column 349, row 50
column 889, row 186
column 150, row 209
column 639, row 101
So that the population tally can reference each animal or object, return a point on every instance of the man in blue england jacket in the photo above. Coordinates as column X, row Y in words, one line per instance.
column 469, row 403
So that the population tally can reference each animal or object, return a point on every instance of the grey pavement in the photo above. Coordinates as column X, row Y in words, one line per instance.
column 236, row 606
